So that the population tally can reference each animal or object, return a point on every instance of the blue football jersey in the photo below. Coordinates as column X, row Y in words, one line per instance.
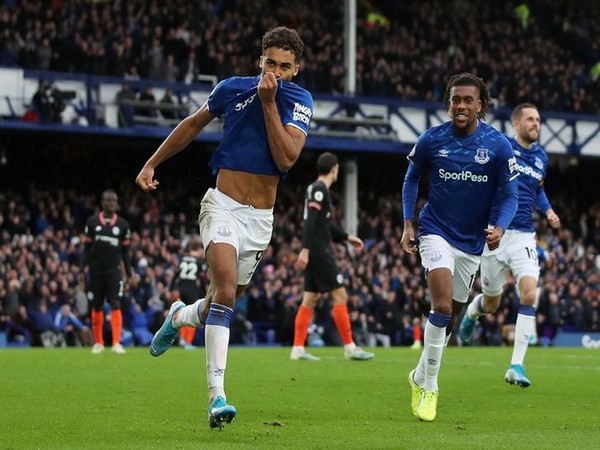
column 532, row 164
column 245, row 144
column 464, row 175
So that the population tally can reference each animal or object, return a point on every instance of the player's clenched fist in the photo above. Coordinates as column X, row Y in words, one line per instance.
column 267, row 87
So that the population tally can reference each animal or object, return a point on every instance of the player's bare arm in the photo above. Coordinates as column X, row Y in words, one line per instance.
column 302, row 260
column 179, row 138
column 493, row 236
column 356, row 242
column 285, row 143
column 409, row 244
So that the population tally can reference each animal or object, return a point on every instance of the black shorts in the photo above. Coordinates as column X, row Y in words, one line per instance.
column 189, row 294
column 321, row 274
column 105, row 286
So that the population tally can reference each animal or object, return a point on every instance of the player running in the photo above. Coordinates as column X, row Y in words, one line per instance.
column 468, row 162
column 517, row 251
column 266, row 121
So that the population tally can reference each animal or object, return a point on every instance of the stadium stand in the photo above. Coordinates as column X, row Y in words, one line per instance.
column 545, row 59
column 549, row 59
column 40, row 244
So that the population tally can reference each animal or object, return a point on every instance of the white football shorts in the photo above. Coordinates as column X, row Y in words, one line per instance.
column 247, row 229
column 437, row 253
column 517, row 252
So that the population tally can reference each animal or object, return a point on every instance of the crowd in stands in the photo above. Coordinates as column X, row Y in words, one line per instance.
column 540, row 51
column 42, row 290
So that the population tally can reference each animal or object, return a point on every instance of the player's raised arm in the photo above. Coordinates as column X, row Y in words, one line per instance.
column 287, row 108
column 179, row 138
column 287, row 142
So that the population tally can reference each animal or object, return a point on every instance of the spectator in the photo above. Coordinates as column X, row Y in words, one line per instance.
column 156, row 61
column 20, row 327
column 550, row 315
column 44, row 327
column 11, row 300
column 124, row 98
column 167, row 107
column 74, row 332
column 44, row 54
column 139, row 323
column 189, row 68
column 147, row 105
column 171, row 70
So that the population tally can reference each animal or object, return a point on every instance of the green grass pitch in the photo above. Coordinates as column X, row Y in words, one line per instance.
column 69, row 398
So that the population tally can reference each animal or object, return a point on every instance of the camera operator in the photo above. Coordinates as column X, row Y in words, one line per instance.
column 48, row 103
column 58, row 105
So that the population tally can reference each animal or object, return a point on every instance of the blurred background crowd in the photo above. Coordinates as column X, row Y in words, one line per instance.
column 540, row 51
column 546, row 52
column 41, row 249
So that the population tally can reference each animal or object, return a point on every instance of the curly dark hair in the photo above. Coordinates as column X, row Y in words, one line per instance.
column 284, row 38
column 468, row 79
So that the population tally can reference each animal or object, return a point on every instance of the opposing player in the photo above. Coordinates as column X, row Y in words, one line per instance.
column 517, row 251
column 187, row 284
column 266, row 120
column 106, row 247
column 468, row 162
column 316, row 257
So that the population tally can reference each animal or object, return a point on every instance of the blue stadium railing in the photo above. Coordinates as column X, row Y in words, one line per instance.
column 339, row 122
